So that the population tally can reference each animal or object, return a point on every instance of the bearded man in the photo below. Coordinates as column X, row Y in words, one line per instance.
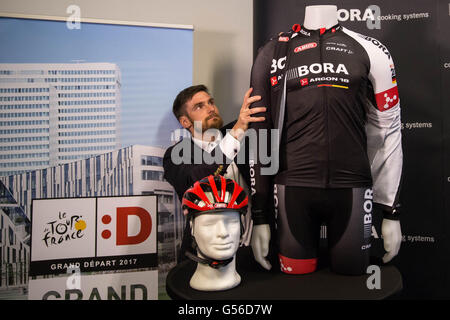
column 218, row 145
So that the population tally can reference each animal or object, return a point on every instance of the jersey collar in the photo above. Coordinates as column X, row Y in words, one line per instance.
column 301, row 30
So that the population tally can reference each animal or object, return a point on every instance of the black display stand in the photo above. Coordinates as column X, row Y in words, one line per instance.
column 259, row 284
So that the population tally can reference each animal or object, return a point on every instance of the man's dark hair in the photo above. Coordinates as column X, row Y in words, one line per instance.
column 183, row 97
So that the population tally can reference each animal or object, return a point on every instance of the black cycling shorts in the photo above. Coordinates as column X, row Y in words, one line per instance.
column 301, row 211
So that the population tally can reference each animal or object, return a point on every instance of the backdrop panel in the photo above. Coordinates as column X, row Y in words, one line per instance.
column 444, row 26
column 415, row 32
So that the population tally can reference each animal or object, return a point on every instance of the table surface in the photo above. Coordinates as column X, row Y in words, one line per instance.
column 258, row 283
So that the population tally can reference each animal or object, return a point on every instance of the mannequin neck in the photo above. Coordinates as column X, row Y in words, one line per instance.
column 317, row 17
column 209, row 279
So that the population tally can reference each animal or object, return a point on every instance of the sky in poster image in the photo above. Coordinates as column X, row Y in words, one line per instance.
column 155, row 64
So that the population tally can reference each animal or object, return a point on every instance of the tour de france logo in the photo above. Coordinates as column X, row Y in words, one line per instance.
column 63, row 229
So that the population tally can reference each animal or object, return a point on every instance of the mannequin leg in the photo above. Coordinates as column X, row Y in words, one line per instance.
column 298, row 230
column 349, row 234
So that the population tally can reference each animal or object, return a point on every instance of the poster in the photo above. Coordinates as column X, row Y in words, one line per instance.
column 85, row 111
column 93, row 234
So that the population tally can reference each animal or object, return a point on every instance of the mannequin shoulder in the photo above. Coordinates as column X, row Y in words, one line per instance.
column 374, row 47
column 269, row 45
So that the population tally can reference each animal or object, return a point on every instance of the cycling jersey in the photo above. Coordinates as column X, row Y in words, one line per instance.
column 333, row 95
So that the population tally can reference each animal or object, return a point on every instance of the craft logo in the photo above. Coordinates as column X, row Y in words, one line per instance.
column 64, row 228
column 305, row 47
column 283, row 39
column 338, row 47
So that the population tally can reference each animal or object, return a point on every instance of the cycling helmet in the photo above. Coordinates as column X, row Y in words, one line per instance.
column 211, row 195
column 214, row 194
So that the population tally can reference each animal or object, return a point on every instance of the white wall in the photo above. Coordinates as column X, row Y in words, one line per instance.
column 223, row 35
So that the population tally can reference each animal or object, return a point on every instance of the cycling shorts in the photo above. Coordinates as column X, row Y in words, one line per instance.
column 301, row 213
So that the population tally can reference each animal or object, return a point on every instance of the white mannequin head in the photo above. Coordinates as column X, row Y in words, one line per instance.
column 217, row 234
column 214, row 206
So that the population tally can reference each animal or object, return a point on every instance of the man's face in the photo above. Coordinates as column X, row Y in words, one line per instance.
column 201, row 108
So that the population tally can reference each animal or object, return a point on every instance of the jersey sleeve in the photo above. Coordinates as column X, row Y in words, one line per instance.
column 383, row 128
column 261, row 185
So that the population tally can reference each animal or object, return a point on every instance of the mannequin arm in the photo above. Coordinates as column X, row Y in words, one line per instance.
column 392, row 237
column 260, row 244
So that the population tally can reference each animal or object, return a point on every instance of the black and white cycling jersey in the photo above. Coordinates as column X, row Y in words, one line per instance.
column 333, row 95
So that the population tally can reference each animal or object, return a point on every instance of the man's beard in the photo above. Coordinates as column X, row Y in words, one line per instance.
column 217, row 122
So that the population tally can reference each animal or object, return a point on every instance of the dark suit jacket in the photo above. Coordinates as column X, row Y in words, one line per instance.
column 183, row 176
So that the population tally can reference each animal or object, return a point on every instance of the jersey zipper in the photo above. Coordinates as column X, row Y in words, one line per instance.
column 325, row 107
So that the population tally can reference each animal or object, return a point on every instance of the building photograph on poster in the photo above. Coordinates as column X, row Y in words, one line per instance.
column 85, row 112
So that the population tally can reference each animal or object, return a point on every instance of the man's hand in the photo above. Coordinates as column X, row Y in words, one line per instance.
column 260, row 244
column 245, row 115
column 392, row 238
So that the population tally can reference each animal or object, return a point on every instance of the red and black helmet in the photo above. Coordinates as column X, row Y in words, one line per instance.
column 214, row 194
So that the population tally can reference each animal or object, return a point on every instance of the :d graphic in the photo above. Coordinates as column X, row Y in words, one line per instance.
column 123, row 213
